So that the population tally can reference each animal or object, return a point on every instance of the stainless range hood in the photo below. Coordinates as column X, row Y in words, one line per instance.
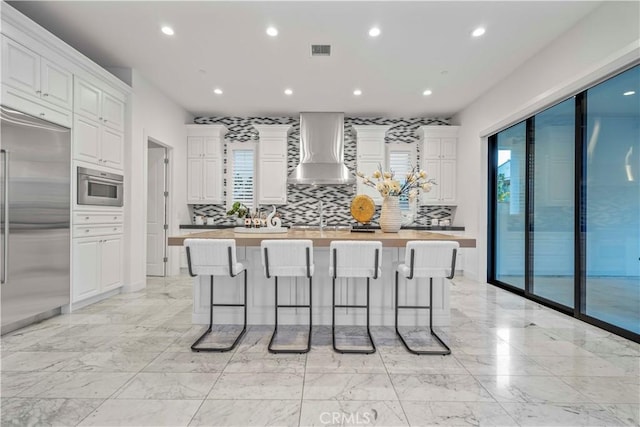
column 321, row 151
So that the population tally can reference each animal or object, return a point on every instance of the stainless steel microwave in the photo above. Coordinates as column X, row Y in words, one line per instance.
column 99, row 188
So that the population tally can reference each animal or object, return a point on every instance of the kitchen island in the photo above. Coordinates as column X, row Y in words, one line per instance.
column 260, row 290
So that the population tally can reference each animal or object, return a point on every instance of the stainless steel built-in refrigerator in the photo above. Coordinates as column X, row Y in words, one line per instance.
column 34, row 208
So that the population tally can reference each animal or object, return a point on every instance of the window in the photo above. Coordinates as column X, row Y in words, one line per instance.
column 401, row 159
column 241, row 174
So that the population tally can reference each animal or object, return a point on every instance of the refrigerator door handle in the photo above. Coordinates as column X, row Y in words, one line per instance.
column 5, row 235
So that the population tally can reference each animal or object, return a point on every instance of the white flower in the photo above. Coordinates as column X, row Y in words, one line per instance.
column 423, row 174
column 426, row 186
column 376, row 174
column 387, row 175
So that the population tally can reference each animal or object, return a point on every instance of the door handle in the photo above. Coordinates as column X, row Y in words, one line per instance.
column 5, row 235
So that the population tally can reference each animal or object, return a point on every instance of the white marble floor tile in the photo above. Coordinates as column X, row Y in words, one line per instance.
column 257, row 386
column 352, row 413
column 445, row 388
column 607, row 389
column 532, row 389
column 579, row 366
column 242, row 413
column 37, row 361
column 537, row 414
column 407, row 363
column 149, row 344
column 189, row 362
column 176, row 386
column 325, row 359
column 248, row 362
column 20, row 412
column 552, row 348
column 628, row 413
column 13, row 383
column 329, row 386
column 139, row 413
column 80, row 385
column 110, row 362
column 64, row 343
column 457, row 414
column 500, row 365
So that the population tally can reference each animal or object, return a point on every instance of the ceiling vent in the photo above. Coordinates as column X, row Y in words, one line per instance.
column 320, row 50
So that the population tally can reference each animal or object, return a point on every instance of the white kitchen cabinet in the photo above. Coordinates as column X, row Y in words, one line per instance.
column 97, row 265
column 438, row 159
column 205, row 164
column 35, row 75
column 22, row 101
column 272, row 164
column 98, row 105
column 370, row 155
column 96, row 143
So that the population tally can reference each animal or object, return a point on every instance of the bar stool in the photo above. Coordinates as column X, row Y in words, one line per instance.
column 353, row 258
column 426, row 259
column 289, row 258
column 216, row 257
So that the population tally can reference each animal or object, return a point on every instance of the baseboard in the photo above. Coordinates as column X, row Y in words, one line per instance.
column 80, row 304
column 134, row 287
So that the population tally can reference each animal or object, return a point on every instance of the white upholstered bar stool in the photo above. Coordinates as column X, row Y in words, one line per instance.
column 432, row 259
column 288, row 258
column 353, row 259
column 216, row 257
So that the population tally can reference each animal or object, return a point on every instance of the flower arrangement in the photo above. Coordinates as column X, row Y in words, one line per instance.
column 387, row 185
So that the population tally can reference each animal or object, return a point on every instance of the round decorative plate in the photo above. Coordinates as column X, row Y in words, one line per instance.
column 362, row 208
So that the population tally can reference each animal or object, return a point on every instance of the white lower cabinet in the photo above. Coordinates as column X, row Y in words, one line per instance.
column 97, row 265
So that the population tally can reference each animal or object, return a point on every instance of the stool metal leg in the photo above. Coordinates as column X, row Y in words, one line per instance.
column 446, row 350
column 194, row 346
column 333, row 323
column 275, row 330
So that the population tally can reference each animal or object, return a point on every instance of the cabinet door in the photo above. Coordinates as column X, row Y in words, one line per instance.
column 20, row 67
column 212, row 149
column 112, row 112
column 195, row 146
column 269, row 147
column 87, row 100
column 272, row 181
column 111, row 146
column 371, row 148
column 432, row 167
column 448, row 148
column 448, row 181
column 86, row 139
column 86, row 268
column 431, row 148
column 111, row 262
column 368, row 167
column 212, row 182
column 194, row 180
column 57, row 84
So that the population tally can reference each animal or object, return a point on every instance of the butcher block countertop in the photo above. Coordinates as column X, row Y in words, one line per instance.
column 324, row 238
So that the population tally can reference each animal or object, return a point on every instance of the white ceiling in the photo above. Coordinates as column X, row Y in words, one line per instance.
column 223, row 44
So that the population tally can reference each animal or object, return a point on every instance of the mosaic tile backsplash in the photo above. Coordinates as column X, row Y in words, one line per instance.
column 302, row 201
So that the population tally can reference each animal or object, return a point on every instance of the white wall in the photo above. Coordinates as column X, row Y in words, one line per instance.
column 155, row 116
column 602, row 42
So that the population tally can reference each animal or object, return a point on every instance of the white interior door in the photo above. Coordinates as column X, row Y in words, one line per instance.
column 156, row 208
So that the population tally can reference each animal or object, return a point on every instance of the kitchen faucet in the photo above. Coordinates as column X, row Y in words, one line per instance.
column 320, row 211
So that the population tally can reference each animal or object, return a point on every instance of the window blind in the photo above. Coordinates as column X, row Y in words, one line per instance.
column 243, row 177
column 400, row 164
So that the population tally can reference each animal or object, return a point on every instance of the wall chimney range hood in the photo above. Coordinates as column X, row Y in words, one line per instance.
column 321, row 151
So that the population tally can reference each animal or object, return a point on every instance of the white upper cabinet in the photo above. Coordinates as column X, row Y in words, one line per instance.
column 96, row 104
column 96, row 143
column 438, row 159
column 272, row 164
column 38, row 77
column 204, row 164
column 370, row 154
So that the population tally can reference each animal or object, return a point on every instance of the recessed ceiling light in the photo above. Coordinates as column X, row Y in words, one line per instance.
column 629, row 92
column 478, row 32
column 288, row 92
column 427, row 92
column 272, row 31
column 357, row 92
column 217, row 91
column 374, row 32
column 168, row 30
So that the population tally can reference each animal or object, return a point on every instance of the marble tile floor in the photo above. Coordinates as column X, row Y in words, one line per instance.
column 126, row 361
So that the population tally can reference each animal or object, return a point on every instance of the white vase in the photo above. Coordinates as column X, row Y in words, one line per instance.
column 390, row 216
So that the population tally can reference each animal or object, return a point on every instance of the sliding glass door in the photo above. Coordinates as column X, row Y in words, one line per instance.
column 565, row 206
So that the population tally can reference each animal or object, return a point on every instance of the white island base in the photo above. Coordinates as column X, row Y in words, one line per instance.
column 261, row 298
